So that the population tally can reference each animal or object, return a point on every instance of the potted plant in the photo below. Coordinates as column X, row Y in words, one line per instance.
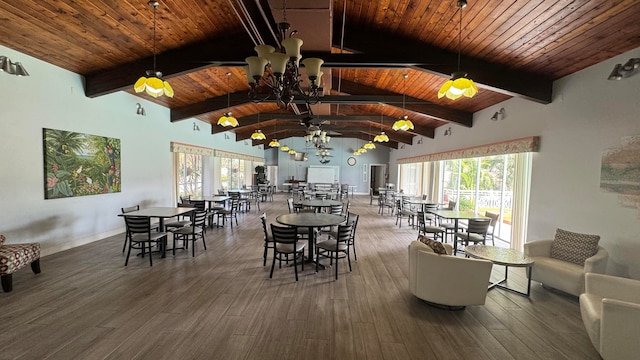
column 260, row 169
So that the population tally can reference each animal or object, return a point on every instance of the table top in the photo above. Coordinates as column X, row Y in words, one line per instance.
column 212, row 198
column 320, row 203
column 310, row 219
column 423, row 202
column 456, row 214
column 241, row 191
column 160, row 212
column 498, row 255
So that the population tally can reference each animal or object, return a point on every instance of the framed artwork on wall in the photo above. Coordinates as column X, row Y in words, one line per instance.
column 77, row 164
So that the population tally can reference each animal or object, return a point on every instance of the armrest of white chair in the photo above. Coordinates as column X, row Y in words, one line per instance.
column 598, row 262
column 619, row 328
column 613, row 287
column 538, row 248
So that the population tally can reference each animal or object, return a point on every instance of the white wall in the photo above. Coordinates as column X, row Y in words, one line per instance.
column 343, row 148
column 588, row 115
column 54, row 98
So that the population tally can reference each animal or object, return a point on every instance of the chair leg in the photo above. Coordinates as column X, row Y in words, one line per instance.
column 150, row 257
column 7, row 282
column 35, row 266
column 295, row 265
column 264, row 255
column 336, row 252
column 273, row 264
column 128, row 253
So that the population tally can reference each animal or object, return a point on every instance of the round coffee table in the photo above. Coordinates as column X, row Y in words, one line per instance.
column 505, row 257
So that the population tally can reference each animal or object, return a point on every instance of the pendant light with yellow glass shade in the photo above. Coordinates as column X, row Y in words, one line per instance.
column 153, row 84
column 227, row 118
column 459, row 85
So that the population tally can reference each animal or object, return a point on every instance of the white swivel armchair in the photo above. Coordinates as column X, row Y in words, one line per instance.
column 610, row 308
column 447, row 281
column 562, row 275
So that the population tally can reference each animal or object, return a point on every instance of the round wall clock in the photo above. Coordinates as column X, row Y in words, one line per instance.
column 351, row 161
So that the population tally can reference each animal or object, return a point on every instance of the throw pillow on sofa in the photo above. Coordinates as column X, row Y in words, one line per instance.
column 574, row 247
column 436, row 246
column 2, row 239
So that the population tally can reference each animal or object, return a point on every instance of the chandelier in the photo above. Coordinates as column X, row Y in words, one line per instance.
column 153, row 83
column 278, row 73
column 317, row 138
column 458, row 85
column 323, row 154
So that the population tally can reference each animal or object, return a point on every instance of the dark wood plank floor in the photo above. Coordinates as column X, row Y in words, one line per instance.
column 222, row 305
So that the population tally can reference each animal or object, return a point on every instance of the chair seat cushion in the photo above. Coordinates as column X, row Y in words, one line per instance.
column 178, row 224
column 155, row 236
column 470, row 236
column 15, row 256
column 433, row 229
column 574, row 247
column 331, row 245
column 289, row 248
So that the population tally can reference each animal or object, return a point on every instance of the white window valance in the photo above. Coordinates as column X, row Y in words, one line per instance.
column 190, row 149
column 528, row 144
column 232, row 155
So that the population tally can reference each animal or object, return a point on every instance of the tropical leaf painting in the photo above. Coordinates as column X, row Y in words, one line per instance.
column 77, row 164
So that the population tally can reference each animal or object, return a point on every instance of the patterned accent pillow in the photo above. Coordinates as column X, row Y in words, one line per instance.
column 574, row 247
column 2, row 239
column 436, row 246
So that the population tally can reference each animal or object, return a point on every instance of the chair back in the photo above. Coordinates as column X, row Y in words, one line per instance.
column 263, row 221
column 221, row 192
column 343, row 235
column 346, row 206
column 185, row 198
column 130, row 209
column 478, row 226
column 284, row 234
column 336, row 209
column 421, row 221
column 321, row 196
column 138, row 224
column 198, row 204
column 290, row 205
column 198, row 219
column 494, row 218
column 353, row 220
column 453, row 204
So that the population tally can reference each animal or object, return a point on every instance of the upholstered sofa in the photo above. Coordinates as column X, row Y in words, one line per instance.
column 610, row 309
column 559, row 274
column 14, row 257
column 447, row 281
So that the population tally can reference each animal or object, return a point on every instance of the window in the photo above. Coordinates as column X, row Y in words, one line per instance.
column 482, row 184
column 189, row 174
column 410, row 181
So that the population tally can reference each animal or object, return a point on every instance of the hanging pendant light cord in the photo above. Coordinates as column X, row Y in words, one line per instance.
column 155, row 6
column 460, row 37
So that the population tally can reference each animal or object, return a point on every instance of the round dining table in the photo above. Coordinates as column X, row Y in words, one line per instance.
column 310, row 220
column 319, row 204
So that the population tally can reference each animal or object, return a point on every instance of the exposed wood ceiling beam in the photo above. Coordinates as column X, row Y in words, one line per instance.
column 493, row 76
column 427, row 108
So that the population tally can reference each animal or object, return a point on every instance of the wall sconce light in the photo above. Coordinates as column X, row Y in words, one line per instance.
column 419, row 141
column 196, row 127
column 499, row 115
column 447, row 132
column 140, row 110
column 12, row 68
column 624, row 71
column 226, row 136
column 401, row 146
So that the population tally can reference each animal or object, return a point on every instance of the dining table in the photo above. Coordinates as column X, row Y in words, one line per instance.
column 457, row 215
column 319, row 203
column 311, row 221
column 423, row 203
column 161, row 213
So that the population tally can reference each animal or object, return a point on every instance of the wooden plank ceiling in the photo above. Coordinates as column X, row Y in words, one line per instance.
column 509, row 48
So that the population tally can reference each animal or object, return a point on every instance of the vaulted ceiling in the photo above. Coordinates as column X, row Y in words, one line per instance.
column 508, row 47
